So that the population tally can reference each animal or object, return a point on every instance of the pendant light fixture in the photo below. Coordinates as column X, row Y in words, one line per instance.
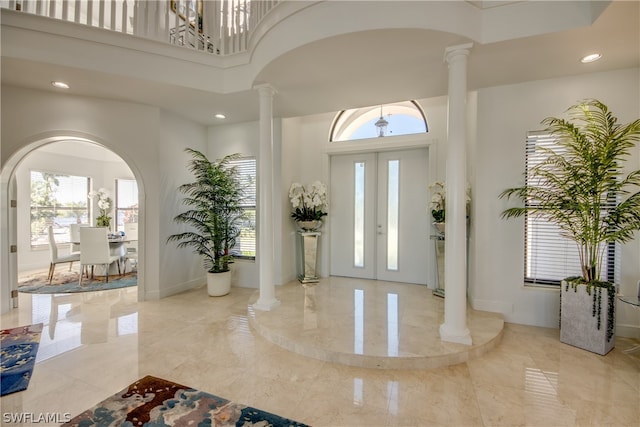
column 381, row 125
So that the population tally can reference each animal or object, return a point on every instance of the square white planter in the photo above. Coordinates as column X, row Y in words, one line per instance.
column 579, row 325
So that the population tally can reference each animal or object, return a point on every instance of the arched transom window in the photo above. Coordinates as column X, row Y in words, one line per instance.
column 400, row 118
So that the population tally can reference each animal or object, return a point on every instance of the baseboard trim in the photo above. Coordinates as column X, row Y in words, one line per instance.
column 175, row 289
column 492, row 306
column 628, row 331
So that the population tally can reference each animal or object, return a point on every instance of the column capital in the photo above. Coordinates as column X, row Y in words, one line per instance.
column 460, row 49
column 265, row 88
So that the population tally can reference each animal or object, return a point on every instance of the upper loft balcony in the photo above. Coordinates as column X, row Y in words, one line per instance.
column 217, row 27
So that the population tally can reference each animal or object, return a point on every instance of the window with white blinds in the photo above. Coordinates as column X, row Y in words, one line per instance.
column 246, row 244
column 550, row 257
column 126, row 202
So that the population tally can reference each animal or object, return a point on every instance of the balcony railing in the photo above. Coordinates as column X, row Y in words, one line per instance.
column 219, row 27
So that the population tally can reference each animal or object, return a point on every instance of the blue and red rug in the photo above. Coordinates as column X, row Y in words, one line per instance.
column 18, row 349
column 155, row 402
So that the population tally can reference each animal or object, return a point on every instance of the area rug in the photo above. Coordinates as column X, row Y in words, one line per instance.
column 67, row 282
column 18, row 349
column 154, row 402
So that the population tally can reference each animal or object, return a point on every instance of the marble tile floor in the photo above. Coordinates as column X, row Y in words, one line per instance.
column 370, row 324
column 95, row 344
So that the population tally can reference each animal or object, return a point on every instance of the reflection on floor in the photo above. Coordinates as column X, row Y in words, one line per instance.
column 371, row 324
column 95, row 344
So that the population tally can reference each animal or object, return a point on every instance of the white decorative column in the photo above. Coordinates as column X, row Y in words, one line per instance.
column 266, row 253
column 454, row 328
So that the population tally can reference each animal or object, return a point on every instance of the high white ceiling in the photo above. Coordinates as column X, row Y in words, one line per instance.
column 366, row 68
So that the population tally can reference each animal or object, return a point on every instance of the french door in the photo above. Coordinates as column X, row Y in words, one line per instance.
column 379, row 216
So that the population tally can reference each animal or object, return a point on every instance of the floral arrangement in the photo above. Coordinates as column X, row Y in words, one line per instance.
column 438, row 200
column 308, row 203
column 104, row 204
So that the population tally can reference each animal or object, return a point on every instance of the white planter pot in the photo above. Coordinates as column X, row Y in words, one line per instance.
column 579, row 325
column 218, row 284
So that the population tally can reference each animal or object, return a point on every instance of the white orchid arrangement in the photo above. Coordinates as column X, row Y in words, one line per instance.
column 308, row 203
column 105, row 202
column 438, row 200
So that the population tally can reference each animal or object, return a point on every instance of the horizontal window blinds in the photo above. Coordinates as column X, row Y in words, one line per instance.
column 246, row 242
column 549, row 256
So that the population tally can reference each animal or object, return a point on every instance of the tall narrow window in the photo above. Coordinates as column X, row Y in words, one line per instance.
column 126, row 202
column 57, row 200
column 550, row 257
column 246, row 244
column 393, row 190
column 358, row 220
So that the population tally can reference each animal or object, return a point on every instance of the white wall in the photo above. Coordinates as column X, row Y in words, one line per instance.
column 102, row 173
column 244, row 138
column 181, row 268
column 147, row 139
column 152, row 144
column 505, row 114
column 307, row 151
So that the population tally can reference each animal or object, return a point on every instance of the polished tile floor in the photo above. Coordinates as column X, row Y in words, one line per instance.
column 95, row 344
column 371, row 324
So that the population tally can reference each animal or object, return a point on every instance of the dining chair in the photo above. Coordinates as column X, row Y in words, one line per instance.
column 74, row 237
column 94, row 244
column 131, row 234
column 55, row 258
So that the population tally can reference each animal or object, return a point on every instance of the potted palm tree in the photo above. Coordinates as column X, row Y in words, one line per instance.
column 581, row 187
column 213, row 201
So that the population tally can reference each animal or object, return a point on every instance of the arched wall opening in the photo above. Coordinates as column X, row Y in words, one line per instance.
column 9, row 200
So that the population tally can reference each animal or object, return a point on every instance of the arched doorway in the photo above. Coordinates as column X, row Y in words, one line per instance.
column 62, row 150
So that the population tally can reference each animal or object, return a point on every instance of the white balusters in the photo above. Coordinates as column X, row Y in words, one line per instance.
column 76, row 10
column 156, row 22
column 65, row 10
column 101, row 13
column 135, row 23
column 219, row 27
column 112, row 16
column 124, row 16
column 89, row 12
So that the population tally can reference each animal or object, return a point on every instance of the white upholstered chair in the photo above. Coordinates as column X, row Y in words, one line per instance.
column 55, row 258
column 74, row 237
column 131, row 234
column 94, row 250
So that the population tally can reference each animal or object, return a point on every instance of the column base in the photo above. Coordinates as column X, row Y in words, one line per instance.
column 456, row 336
column 266, row 305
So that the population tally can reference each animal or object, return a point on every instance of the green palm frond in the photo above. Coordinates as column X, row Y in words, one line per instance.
column 213, row 201
column 573, row 186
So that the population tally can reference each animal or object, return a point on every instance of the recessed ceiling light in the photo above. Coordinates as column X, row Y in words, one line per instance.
column 60, row 85
column 590, row 58
column 220, row 116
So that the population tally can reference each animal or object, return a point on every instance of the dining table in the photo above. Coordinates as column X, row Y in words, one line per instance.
column 118, row 247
